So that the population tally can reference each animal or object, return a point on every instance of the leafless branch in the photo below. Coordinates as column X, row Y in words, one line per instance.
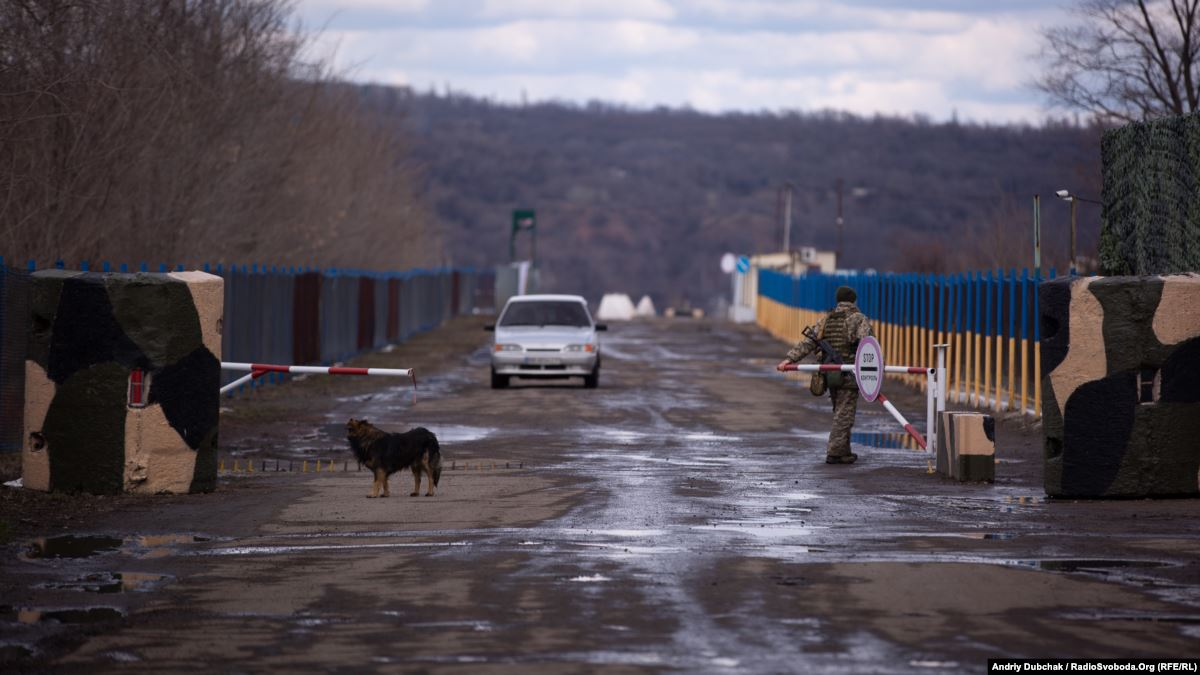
column 1125, row 60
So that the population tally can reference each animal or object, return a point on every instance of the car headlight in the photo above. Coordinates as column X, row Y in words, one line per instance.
column 581, row 348
column 508, row 348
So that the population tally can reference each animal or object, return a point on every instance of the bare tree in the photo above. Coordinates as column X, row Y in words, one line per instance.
column 1126, row 60
column 192, row 130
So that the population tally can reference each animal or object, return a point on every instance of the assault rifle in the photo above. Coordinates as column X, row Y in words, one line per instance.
column 830, row 354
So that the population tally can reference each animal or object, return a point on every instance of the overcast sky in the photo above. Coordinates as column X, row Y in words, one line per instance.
column 935, row 57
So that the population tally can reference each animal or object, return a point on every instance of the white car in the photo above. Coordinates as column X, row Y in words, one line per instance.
column 548, row 337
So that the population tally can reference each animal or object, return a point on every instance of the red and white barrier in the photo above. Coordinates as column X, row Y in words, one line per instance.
column 257, row 370
column 935, row 392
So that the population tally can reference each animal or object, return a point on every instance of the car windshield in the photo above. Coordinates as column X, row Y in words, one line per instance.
column 546, row 313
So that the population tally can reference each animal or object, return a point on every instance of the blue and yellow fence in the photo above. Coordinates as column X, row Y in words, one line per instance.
column 988, row 319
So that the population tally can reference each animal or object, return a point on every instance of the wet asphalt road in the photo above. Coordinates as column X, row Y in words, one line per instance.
column 678, row 518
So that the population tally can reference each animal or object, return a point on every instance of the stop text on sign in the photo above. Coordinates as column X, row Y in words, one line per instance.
column 868, row 368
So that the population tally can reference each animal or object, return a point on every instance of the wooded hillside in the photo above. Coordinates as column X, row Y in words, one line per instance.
column 647, row 201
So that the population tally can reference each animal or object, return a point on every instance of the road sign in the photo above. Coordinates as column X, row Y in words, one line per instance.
column 868, row 368
column 523, row 219
column 727, row 263
column 743, row 264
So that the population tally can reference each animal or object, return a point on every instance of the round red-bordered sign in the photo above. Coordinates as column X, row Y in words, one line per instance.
column 868, row 368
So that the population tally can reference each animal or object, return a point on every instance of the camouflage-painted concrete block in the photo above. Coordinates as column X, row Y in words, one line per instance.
column 967, row 446
column 1121, row 386
column 88, row 332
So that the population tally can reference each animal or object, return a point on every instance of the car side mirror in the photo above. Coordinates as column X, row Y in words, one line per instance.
column 601, row 326
column 491, row 327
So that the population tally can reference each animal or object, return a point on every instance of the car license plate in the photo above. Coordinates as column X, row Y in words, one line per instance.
column 543, row 362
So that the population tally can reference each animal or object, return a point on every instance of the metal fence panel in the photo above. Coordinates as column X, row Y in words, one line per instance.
column 366, row 314
column 14, row 319
column 339, row 317
column 393, row 309
column 381, row 313
column 306, row 318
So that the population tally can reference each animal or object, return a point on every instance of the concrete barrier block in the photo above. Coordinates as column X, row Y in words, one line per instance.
column 1121, row 385
column 88, row 332
column 942, row 462
column 966, row 446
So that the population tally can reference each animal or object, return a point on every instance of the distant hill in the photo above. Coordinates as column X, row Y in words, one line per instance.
column 646, row 201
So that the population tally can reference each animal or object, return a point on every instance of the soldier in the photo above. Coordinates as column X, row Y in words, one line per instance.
column 842, row 328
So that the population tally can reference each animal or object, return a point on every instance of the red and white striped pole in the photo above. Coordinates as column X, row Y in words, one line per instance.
column 849, row 368
column 912, row 431
column 257, row 370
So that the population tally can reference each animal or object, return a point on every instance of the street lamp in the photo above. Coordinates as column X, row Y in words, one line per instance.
column 1066, row 196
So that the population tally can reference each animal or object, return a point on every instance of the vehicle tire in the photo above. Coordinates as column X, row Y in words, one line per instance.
column 592, row 381
column 499, row 381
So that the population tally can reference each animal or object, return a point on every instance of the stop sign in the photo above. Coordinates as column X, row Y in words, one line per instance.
column 868, row 368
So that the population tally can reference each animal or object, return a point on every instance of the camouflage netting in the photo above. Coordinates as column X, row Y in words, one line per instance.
column 1151, row 217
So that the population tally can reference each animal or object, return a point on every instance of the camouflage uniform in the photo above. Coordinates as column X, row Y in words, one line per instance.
column 842, row 328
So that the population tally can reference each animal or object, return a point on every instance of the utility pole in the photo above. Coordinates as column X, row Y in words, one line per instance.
column 837, row 252
column 787, row 216
column 1073, row 200
column 1066, row 195
column 1037, row 234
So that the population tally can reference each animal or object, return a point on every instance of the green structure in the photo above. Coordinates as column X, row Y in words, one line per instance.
column 1151, row 218
column 523, row 219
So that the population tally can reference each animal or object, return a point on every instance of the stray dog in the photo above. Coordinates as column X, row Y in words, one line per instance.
column 384, row 454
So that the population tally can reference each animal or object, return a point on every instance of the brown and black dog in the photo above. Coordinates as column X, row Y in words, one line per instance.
column 386, row 453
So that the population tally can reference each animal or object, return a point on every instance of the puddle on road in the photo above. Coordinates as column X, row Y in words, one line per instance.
column 589, row 579
column 282, row 550
column 620, row 534
column 86, row 546
column 798, row 496
column 116, row 582
column 884, row 440
column 71, row 546
column 1089, row 566
column 711, row 437
column 772, row 528
column 476, row 626
column 84, row 615
column 162, row 545
column 682, row 460
column 625, row 437
column 457, row 433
